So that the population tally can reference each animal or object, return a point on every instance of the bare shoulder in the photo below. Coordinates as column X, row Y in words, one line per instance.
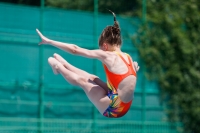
column 104, row 55
column 110, row 58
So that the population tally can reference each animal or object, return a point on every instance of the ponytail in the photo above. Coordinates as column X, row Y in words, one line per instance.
column 111, row 34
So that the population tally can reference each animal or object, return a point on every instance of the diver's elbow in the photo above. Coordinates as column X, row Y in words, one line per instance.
column 74, row 49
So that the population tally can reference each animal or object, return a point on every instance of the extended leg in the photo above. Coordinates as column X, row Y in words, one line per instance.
column 80, row 72
column 95, row 93
column 71, row 67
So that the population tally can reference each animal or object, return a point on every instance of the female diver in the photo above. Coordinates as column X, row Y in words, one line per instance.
column 114, row 98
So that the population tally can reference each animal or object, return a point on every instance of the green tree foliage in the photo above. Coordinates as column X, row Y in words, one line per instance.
column 24, row 2
column 169, row 44
column 120, row 6
column 71, row 4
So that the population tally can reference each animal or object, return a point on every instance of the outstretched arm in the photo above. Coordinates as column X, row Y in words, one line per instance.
column 72, row 48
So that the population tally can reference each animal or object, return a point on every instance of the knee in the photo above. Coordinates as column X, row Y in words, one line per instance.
column 55, row 55
column 50, row 59
column 93, row 77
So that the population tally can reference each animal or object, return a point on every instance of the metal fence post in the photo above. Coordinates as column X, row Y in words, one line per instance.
column 95, row 26
column 144, row 70
column 41, row 75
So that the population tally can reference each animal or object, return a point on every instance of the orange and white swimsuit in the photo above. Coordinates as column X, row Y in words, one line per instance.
column 117, row 108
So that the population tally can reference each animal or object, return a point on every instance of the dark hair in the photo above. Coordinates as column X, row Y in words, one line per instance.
column 111, row 34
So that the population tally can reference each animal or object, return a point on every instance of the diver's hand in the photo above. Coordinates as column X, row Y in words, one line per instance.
column 44, row 39
column 135, row 64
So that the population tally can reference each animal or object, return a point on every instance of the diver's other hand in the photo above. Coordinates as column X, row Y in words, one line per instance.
column 135, row 64
column 44, row 39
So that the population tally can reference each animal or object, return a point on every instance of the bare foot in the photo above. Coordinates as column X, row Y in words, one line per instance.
column 54, row 64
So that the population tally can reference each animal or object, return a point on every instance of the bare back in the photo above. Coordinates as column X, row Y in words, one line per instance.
column 117, row 66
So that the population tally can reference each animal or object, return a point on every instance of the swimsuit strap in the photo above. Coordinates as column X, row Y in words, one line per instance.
column 128, row 64
column 124, row 59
